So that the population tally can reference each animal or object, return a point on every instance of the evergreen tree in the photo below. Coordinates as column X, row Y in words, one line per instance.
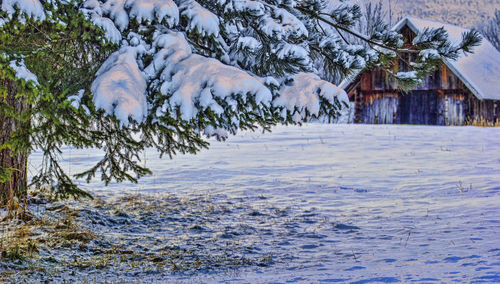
column 123, row 75
column 491, row 30
column 64, row 49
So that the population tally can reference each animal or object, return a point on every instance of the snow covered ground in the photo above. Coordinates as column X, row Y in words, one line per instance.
column 365, row 203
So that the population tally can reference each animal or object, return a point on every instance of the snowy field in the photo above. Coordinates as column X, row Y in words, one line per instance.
column 356, row 203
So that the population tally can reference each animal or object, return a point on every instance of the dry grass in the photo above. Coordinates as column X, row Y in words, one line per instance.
column 483, row 123
column 22, row 233
column 161, row 234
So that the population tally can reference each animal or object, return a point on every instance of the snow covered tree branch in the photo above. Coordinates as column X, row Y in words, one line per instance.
column 123, row 75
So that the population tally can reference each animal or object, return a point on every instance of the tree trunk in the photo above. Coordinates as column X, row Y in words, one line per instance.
column 17, row 185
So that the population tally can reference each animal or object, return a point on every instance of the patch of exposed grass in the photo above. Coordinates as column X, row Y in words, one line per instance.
column 156, row 236
column 160, row 234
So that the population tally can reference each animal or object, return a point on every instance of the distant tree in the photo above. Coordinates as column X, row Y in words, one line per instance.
column 375, row 14
column 491, row 30
column 124, row 75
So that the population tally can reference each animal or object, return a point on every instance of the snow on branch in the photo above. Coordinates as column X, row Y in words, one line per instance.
column 110, row 30
column 254, row 8
column 122, row 11
column 282, row 27
column 303, row 94
column 22, row 71
column 150, row 10
column 120, row 87
column 193, row 80
column 199, row 19
column 31, row 8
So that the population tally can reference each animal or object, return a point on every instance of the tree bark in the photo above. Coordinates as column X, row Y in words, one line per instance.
column 19, row 179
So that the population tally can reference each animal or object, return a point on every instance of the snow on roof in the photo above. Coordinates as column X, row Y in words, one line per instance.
column 479, row 71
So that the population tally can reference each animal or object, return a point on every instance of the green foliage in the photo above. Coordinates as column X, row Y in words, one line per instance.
column 5, row 174
column 64, row 51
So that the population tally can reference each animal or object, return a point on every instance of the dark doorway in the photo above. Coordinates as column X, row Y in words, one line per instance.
column 418, row 107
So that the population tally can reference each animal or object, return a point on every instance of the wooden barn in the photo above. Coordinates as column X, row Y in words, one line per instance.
column 461, row 92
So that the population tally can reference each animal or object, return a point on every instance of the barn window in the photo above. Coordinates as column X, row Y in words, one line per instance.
column 437, row 78
column 408, row 35
column 433, row 81
column 403, row 62
column 378, row 79
column 452, row 83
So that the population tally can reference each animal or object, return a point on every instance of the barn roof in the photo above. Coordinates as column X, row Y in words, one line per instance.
column 479, row 71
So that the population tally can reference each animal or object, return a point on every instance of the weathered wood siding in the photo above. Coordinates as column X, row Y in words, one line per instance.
column 441, row 100
column 481, row 112
column 383, row 108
